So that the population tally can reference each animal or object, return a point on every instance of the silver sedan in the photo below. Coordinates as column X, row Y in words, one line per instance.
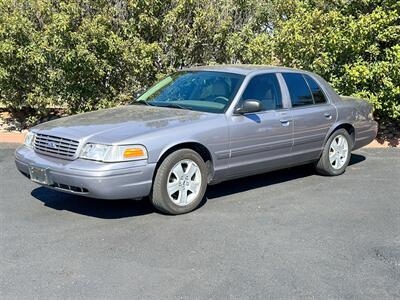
column 196, row 127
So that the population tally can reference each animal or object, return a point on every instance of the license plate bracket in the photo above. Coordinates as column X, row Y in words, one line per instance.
column 39, row 175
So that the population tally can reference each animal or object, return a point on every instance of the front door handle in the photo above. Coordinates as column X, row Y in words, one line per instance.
column 285, row 122
column 328, row 116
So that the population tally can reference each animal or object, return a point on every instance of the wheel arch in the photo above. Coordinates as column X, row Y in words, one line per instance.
column 347, row 126
column 198, row 147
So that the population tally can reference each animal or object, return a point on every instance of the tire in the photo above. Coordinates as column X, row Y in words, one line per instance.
column 172, row 174
column 332, row 161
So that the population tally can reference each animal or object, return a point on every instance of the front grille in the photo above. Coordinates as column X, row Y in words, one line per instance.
column 55, row 146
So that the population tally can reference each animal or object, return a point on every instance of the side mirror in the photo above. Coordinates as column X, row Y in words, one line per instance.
column 249, row 106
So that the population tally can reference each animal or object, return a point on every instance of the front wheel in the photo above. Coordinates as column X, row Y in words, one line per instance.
column 180, row 182
column 336, row 154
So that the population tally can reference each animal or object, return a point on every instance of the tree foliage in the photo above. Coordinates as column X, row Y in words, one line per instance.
column 89, row 54
column 355, row 45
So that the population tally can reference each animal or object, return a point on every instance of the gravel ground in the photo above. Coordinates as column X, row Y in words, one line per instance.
column 286, row 234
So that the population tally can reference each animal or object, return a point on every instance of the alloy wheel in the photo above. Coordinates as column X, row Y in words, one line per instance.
column 338, row 152
column 184, row 182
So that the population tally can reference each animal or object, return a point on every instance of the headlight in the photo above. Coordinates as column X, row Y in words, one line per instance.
column 114, row 153
column 29, row 139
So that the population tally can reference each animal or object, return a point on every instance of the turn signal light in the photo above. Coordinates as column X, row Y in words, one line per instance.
column 133, row 152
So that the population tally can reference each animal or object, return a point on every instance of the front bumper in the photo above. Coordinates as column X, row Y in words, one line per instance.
column 124, row 180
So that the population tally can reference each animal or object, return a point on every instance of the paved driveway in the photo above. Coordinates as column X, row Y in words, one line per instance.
column 287, row 234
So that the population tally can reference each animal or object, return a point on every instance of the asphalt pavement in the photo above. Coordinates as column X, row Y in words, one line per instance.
column 287, row 234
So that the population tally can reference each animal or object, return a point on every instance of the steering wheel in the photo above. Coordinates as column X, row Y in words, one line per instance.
column 221, row 99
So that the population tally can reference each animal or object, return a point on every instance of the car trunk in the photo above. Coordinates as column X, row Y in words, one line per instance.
column 361, row 105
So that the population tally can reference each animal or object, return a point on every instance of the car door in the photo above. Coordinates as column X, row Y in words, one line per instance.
column 261, row 141
column 312, row 114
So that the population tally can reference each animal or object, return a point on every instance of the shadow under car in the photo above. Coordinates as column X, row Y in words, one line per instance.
column 116, row 209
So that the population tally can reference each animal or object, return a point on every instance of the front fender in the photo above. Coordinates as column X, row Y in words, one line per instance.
column 181, row 144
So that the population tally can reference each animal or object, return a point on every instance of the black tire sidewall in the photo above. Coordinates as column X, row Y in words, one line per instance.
column 160, row 186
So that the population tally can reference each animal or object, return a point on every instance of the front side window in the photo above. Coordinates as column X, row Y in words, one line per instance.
column 264, row 88
column 206, row 91
column 300, row 94
column 317, row 93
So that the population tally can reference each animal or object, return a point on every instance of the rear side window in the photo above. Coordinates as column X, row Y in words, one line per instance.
column 264, row 88
column 316, row 91
column 298, row 89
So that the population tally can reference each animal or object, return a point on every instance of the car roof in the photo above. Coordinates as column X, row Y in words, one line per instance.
column 241, row 69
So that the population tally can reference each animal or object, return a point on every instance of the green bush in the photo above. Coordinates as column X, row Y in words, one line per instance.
column 355, row 46
column 79, row 54
column 87, row 54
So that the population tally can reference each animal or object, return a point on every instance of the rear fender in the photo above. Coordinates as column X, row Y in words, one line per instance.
column 349, row 127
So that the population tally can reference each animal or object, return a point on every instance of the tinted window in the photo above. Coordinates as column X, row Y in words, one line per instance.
column 317, row 93
column 264, row 88
column 298, row 89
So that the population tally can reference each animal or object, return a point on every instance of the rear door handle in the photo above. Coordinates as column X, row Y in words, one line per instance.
column 328, row 116
column 285, row 122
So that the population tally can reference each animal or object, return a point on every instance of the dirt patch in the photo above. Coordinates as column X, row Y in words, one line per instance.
column 12, row 137
column 389, row 255
column 384, row 143
column 388, row 133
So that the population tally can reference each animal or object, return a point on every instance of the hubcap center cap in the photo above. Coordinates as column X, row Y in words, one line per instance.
column 184, row 181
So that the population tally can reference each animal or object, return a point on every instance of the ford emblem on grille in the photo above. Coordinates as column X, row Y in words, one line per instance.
column 52, row 145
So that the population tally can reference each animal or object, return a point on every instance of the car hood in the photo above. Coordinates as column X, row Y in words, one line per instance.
column 120, row 123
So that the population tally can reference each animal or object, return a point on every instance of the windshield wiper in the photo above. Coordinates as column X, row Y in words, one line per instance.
column 145, row 102
column 175, row 105
column 172, row 105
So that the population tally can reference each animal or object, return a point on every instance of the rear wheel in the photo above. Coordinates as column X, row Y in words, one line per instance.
column 336, row 154
column 180, row 182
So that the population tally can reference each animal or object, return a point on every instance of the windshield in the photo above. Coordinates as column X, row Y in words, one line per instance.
column 196, row 90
